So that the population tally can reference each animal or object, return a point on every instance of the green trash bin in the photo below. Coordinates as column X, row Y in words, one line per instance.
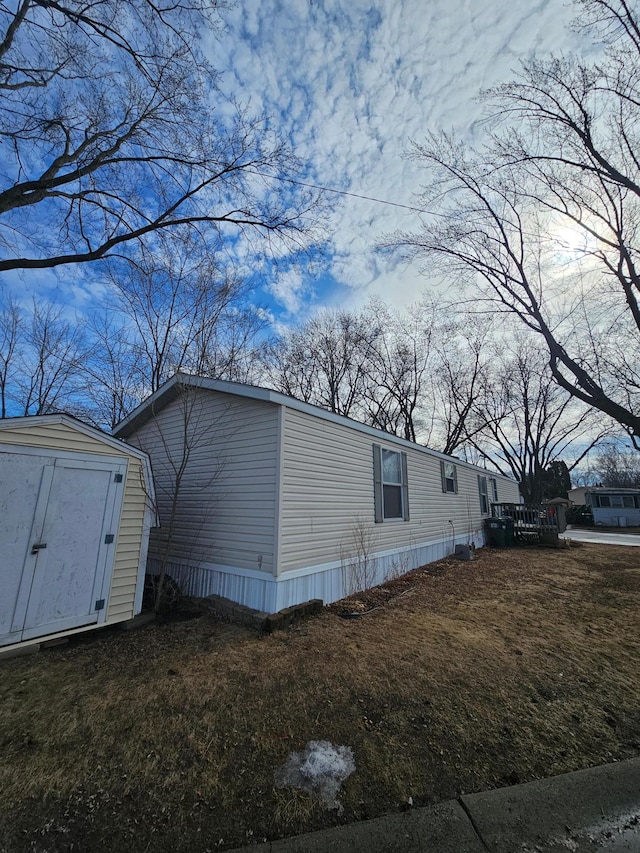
column 496, row 532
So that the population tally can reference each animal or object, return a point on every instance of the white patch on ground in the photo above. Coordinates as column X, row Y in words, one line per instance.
column 320, row 768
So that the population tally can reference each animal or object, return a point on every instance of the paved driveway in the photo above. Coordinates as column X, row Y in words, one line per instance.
column 603, row 537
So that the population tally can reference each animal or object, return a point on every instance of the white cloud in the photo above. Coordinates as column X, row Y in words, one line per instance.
column 290, row 289
column 355, row 81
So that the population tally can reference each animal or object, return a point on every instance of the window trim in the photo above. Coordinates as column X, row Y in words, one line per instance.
column 483, row 492
column 454, row 480
column 379, row 484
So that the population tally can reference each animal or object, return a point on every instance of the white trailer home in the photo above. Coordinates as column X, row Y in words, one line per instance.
column 76, row 506
column 271, row 502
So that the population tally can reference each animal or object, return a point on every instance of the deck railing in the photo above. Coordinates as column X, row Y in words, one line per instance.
column 532, row 522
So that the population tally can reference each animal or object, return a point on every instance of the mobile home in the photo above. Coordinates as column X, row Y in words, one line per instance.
column 270, row 502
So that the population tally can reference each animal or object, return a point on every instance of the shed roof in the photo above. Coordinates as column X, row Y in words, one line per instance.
column 8, row 424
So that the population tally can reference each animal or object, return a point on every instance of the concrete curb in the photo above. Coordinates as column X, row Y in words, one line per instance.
column 593, row 809
column 571, row 812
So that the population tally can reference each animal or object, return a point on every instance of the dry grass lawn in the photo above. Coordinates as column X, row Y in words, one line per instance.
column 465, row 676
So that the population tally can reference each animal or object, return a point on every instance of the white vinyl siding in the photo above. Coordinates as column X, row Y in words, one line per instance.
column 328, row 489
column 226, row 508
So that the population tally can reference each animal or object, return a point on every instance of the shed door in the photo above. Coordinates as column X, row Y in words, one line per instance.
column 60, row 571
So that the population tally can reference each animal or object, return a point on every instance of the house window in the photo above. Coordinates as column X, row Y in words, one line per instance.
column 603, row 500
column 391, row 493
column 493, row 486
column 449, row 477
column 628, row 501
column 484, row 496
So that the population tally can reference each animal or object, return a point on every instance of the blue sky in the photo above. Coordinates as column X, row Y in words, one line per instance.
column 350, row 83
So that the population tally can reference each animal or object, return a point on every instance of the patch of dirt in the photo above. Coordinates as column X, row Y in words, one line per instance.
column 378, row 596
column 457, row 677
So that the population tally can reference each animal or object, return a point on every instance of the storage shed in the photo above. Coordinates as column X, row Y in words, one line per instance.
column 271, row 502
column 76, row 507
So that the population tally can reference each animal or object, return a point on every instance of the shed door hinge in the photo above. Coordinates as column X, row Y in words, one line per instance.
column 117, row 478
column 108, row 539
column 100, row 604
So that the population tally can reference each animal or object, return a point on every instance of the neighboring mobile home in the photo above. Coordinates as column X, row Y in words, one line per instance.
column 270, row 502
column 610, row 506
column 76, row 506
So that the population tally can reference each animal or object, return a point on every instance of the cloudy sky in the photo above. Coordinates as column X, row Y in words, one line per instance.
column 351, row 82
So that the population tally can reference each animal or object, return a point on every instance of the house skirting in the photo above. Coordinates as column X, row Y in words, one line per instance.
column 329, row 581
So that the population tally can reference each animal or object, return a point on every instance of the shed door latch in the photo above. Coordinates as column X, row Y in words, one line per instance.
column 38, row 547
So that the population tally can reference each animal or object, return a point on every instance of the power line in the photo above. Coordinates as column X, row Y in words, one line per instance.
column 343, row 192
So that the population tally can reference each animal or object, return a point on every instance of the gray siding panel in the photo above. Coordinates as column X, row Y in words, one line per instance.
column 328, row 496
column 225, row 511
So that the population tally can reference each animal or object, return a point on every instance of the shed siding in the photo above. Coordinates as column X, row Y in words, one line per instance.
column 328, row 490
column 129, row 541
column 58, row 437
column 128, row 545
column 226, row 507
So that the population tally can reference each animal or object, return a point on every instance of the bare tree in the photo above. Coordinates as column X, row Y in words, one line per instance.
column 114, row 383
column 398, row 349
column 323, row 361
column 173, row 310
column 179, row 305
column 115, row 130
column 413, row 374
column 522, row 422
column 462, row 355
column 235, row 351
column 10, row 333
column 42, row 359
column 617, row 468
column 185, row 450
column 544, row 217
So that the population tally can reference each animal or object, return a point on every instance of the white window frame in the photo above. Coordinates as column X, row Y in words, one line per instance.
column 493, row 485
column 379, row 485
column 449, row 477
